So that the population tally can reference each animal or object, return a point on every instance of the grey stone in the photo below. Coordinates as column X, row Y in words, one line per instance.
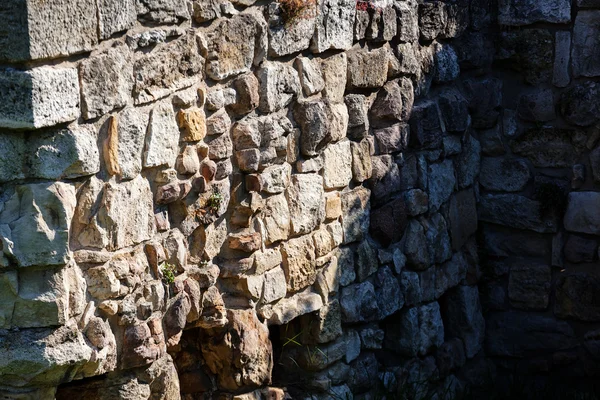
column 579, row 104
column 334, row 25
column 391, row 139
column 547, row 147
column 416, row 331
column 367, row 69
column 441, row 183
column 583, row 213
column 358, row 123
column 514, row 334
column 362, row 371
column 35, row 235
column 432, row 19
column 388, row 103
column 462, row 316
column 529, row 285
column 462, row 214
column 426, row 128
column 115, row 16
column 415, row 246
column 527, row 51
column 438, row 239
column 586, row 44
column 13, row 153
column 39, row 97
column 29, row 33
column 454, row 109
column 468, row 163
column 446, row 64
column 64, row 154
column 162, row 141
column 503, row 242
column 575, row 297
column 562, row 59
column 389, row 296
column 106, row 81
column 127, row 144
column 163, row 11
column 315, row 120
column 355, row 213
column 334, row 70
column 515, row 211
column 408, row 21
column 290, row 36
column 279, row 84
column 311, row 77
column 337, row 165
column 417, row 202
column 306, row 200
column 579, row 249
column 504, row 174
column 362, row 168
column 484, row 101
column 518, row 13
column 372, row 337
column 359, row 303
column 537, row 106
column 491, row 142
column 366, row 260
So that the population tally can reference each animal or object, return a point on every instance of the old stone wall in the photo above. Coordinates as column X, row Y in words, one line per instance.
column 215, row 199
column 538, row 209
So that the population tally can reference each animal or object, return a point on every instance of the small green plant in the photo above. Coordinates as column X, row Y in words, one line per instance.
column 214, row 201
column 168, row 272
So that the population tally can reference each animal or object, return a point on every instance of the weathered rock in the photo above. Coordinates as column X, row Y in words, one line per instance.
column 537, row 105
column 415, row 246
column 582, row 213
column 367, row 69
column 525, row 51
column 292, row 307
column 315, row 119
column 432, row 19
column 241, row 354
column 547, row 147
column 441, row 183
column 416, row 330
column 438, row 240
column 389, row 221
column 454, row 109
column 225, row 56
column 276, row 219
column 38, row 97
column 462, row 217
column 468, row 163
column 484, row 101
column 426, row 128
column 389, row 104
column 408, row 21
column 115, row 16
column 299, row 262
column 161, row 11
column 67, row 153
column 162, row 141
column 586, row 45
column 514, row 13
column 27, row 37
column 306, row 200
column 334, row 23
column 324, row 325
column 160, row 72
column 446, row 64
column 515, row 211
column 311, row 77
column 247, row 98
column 36, row 235
column 334, row 70
column 389, row 296
column 290, row 33
column 337, row 165
column 123, row 147
column 579, row 104
column 462, row 318
column 575, row 297
column 503, row 174
column 359, row 303
column 193, row 122
column 279, row 84
column 514, row 334
column 274, row 285
column 106, row 81
column 579, row 249
column 358, row 123
column 355, row 213
column 362, row 168
column 529, row 285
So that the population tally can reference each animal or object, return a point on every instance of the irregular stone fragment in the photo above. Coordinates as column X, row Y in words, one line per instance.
column 247, row 95
column 415, row 331
column 515, row 211
column 299, row 262
column 547, row 147
column 461, row 311
column 441, row 183
column 275, row 287
column 292, row 307
column 276, row 219
column 124, row 145
column 358, row 123
column 235, row 44
column 106, row 81
column 432, row 19
column 194, row 123
column 163, row 11
column 306, row 200
column 355, row 213
column 311, row 77
column 575, row 297
column 586, row 44
column 279, row 84
column 334, row 25
column 39, row 97
column 359, row 303
column 362, row 168
column 579, row 104
column 367, row 69
column 337, row 170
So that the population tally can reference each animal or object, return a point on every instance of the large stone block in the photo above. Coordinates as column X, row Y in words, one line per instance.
column 547, row 147
column 9, row 289
column 529, row 285
column 337, row 169
column 162, row 140
column 359, row 303
column 13, row 153
column 299, row 263
column 235, row 44
column 290, row 36
column 518, row 13
column 115, row 16
column 334, row 25
column 123, row 148
column 38, row 235
column 161, row 71
column 38, row 97
column 367, row 69
column 64, row 154
column 355, row 213
column 583, row 213
column 106, row 81
column 416, row 331
column 441, row 183
column 503, row 174
column 279, row 84
column 34, row 29
column 462, row 316
column 163, row 11
column 515, row 211
column 306, row 200
column 586, row 44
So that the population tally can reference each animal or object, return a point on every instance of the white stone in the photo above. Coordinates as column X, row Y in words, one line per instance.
column 337, row 171
column 306, row 200
column 162, row 142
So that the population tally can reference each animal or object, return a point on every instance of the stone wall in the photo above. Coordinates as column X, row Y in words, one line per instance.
column 213, row 199
column 538, row 209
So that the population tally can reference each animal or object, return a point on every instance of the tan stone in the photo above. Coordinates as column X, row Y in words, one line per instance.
column 193, row 121
column 299, row 262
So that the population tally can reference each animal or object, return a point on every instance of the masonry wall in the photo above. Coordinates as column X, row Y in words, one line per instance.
column 538, row 208
column 213, row 199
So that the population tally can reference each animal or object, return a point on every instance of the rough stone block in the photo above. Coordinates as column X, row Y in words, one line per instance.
column 367, row 69
column 35, row 30
column 517, row 212
column 287, row 37
column 529, row 285
column 503, row 174
column 38, row 97
column 13, row 153
column 575, row 297
column 462, row 316
column 334, row 25
column 115, row 16
column 586, row 44
column 162, row 140
column 583, row 213
column 123, row 148
column 416, row 330
column 337, row 165
column 306, row 200
column 355, row 213
column 299, row 263
column 518, row 13
column 462, row 217
column 163, row 11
